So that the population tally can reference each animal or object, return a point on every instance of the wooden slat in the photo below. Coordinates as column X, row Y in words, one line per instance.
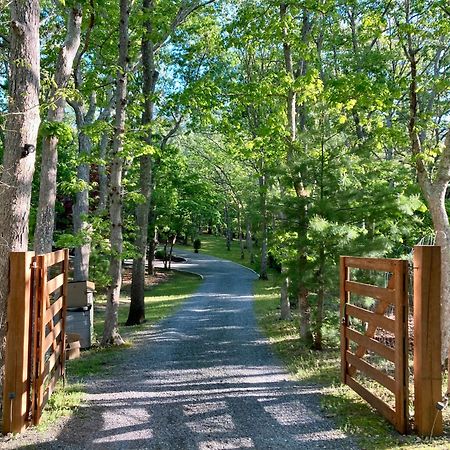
column 48, row 392
column 382, row 265
column 54, row 258
column 54, row 309
column 368, row 290
column 376, row 320
column 427, row 340
column 55, row 283
column 17, row 362
column 64, row 311
column 51, row 362
column 371, row 344
column 378, row 404
column 401, row 343
column 380, row 310
column 52, row 336
column 41, row 298
column 372, row 372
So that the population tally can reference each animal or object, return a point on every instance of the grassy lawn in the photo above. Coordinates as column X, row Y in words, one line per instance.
column 352, row 414
column 216, row 246
column 161, row 300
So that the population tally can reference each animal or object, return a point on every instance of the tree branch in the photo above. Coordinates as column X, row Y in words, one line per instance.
column 180, row 17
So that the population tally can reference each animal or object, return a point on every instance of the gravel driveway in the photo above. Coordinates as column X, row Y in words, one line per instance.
column 202, row 379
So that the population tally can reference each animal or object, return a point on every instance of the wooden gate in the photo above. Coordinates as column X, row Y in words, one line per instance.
column 356, row 344
column 35, row 348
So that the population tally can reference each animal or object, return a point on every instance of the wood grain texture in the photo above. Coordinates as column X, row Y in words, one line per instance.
column 427, row 339
column 16, row 382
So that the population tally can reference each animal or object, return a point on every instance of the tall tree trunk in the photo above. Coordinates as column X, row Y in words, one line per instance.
column 241, row 234
column 317, row 329
column 434, row 190
column 291, row 103
column 22, row 125
column 285, row 304
column 111, row 334
column 153, row 234
column 136, row 314
column 296, row 118
column 173, row 240
column 264, row 231
column 249, row 241
column 228, row 223
column 103, row 150
column 81, row 211
column 43, row 237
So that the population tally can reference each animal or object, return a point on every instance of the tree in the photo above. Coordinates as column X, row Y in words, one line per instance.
column 155, row 37
column 110, row 332
column 424, row 37
column 43, row 237
column 22, row 125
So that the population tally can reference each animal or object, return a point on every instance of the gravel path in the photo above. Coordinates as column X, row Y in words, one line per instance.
column 202, row 379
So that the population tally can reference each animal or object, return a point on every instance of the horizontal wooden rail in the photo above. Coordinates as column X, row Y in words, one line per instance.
column 371, row 344
column 368, row 290
column 54, row 310
column 376, row 320
column 54, row 258
column 378, row 404
column 55, row 283
column 381, row 265
column 372, row 372
column 52, row 336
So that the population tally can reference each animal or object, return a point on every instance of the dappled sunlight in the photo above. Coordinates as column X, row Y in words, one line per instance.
column 205, row 377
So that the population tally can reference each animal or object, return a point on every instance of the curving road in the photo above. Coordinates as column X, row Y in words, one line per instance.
column 202, row 379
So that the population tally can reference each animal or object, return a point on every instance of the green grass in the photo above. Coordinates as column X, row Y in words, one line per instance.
column 216, row 246
column 161, row 301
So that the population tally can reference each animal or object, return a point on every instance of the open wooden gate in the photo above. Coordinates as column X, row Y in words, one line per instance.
column 35, row 348
column 356, row 343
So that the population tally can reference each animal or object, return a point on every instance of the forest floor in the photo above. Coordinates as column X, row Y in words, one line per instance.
column 204, row 378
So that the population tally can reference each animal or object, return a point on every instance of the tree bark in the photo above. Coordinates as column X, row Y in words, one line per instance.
column 111, row 334
column 434, row 190
column 136, row 314
column 317, row 335
column 228, row 224
column 285, row 304
column 296, row 118
column 102, row 174
column 22, row 125
column 264, row 231
column 249, row 241
column 43, row 237
column 81, row 205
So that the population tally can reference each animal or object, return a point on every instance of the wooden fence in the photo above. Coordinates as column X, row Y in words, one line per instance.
column 35, row 350
column 353, row 362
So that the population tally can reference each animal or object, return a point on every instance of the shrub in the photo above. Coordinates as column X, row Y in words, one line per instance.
column 197, row 245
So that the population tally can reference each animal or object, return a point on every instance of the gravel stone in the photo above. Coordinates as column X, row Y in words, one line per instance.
column 203, row 379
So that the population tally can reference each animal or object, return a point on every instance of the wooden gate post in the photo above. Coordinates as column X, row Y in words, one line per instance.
column 427, row 340
column 16, row 382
